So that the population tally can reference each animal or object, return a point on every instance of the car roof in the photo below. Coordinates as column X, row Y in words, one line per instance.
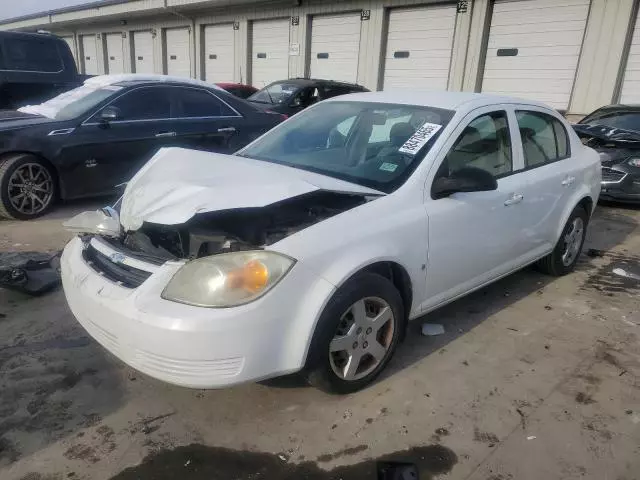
column 438, row 99
column 318, row 81
column 126, row 79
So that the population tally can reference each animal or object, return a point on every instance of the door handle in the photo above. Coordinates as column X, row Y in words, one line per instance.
column 513, row 199
column 227, row 129
column 165, row 134
column 568, row 181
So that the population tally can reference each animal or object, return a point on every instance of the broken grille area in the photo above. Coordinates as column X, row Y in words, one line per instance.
column 119, row 273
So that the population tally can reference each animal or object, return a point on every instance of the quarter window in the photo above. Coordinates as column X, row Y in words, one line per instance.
column 485, row 143
column 193, row 103
column 544, row 138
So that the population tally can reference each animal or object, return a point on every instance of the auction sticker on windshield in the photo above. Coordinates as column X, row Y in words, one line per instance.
column 419, row 138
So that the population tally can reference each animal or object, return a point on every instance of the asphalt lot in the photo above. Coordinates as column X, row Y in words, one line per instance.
column 534, row 378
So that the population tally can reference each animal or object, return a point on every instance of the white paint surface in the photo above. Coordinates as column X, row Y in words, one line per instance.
column 548, row 35
column 426, row 33
column 630, row 92
column 115, row 53
column 89, row 54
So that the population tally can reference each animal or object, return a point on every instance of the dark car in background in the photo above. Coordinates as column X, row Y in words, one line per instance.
column 86, row 141
column 291, row 96
column 614, row 131
column 34, row 67
column 240, row 90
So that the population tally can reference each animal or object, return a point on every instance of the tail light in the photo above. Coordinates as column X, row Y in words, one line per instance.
column 283, row 115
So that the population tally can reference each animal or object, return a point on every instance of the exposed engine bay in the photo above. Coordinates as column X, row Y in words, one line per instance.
column 237, row 229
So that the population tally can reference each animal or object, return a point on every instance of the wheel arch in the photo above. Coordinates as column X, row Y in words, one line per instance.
column 581, row 199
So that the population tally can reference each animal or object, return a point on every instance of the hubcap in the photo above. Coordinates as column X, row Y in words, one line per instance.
column 362, row 339
column 573, row 241
column 30, row 188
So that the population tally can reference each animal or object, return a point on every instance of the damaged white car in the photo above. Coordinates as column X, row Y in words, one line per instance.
column 311, row 248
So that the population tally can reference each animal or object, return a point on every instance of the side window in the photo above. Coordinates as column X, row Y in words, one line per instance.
column 148, row 103
column 544, row 138
column 194, row 102
column 485, row 143
column 32, row 55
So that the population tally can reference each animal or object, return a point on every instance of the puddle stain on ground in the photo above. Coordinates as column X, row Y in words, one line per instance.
column 199, row 462
column 606, row 281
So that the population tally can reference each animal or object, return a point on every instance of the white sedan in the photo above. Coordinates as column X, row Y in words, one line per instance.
column 311, row 248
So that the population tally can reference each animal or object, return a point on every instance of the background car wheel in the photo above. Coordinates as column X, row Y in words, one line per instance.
column 564, row 257
column 356, row 335
column 27, row 187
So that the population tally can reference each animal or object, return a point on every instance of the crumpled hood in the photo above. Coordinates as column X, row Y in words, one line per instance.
column 178, row 183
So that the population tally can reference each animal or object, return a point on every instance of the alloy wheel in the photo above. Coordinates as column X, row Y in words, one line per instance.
column 363, row 338
column 30, row 188
column 573, row 241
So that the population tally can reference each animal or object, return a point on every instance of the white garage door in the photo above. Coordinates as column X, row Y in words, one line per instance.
column 143, row 52
column 219, row 55
column 631, row 81
column 419, row 47
column 269, row 52
column 177, row 50
column 534, row 47
column 90, row 54
column 115, row 53
column 335, row 47
column 69, row 41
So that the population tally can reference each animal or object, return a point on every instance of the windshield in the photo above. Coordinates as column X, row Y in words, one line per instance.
column 276, row 93
column 624, row 120
column 73, row 103
column 371, row 144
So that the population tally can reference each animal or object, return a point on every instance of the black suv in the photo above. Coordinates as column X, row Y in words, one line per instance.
column 291, row 96
column 34, row 67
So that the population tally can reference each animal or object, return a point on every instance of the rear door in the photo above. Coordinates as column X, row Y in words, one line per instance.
column 101, row 155
column 549, row 171
column 204, row 121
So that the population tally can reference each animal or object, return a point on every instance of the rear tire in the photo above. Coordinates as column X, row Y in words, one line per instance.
column 565, row 255
column 28, row 187
column 356, row 335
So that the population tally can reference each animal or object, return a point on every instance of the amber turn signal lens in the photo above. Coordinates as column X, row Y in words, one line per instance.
column 253, row 277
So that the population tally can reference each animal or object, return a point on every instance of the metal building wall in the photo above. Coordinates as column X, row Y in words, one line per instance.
column 600, row 68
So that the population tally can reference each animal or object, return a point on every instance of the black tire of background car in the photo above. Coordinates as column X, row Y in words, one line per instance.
column 7, row 166
column 318, row 368
column 552, row 263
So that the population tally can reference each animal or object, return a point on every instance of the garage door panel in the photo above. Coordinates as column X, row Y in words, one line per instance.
column 426, row 35
column 178, row 52
column 219, row 53
column 89, row 54
column 630, row 91
column 548, row 37
column 270, row 51
column 115, row 53
column 338, row 38
column 143, row 54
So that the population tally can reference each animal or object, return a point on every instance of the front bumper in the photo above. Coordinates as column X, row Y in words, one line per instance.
column 193, row 346
column 624, row 189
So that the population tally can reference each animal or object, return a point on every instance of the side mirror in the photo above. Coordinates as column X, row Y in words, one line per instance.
column 468, row 179
column 109, row 114
column 296, row 102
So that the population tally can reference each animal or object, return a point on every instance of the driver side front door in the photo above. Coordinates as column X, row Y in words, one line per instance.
column 475, row 237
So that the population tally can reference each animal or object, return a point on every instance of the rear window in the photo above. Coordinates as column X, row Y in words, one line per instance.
column 31, row 55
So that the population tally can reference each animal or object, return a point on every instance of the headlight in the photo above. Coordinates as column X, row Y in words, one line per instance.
column 228, row 279
column 634, row 162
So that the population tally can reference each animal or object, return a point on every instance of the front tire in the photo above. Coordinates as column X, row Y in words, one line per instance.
column 356, row 335
column 27, row 187
column 565, row 255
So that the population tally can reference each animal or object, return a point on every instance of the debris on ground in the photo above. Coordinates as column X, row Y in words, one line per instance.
column 624, row 273
column 594, row 252
column 33, row 273
column 432, row 329
column 531, row 437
